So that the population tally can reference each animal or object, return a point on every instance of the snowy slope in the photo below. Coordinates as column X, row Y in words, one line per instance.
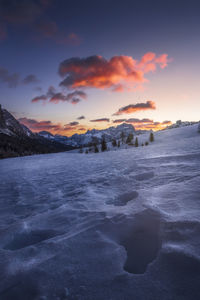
column 115, row 225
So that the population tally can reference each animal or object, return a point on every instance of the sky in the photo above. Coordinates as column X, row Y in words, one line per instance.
column 70, row 66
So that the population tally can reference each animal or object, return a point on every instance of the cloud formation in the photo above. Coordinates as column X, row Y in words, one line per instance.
column 21, row 11
column 40, row 125
column 81, row 118
column 132, row 120
column 50, row 30
column 31, row 13
column 30, row 79
column 39, row 98
column 12, row 80
column 74, row 123
column 55, row 97
column 101, row 120
column 132, row 108
column 144, row 124
column 54, row 128
column 118, row 73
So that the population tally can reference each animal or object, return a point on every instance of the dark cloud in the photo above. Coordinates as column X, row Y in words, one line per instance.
column 133, row 120
column 21, row 11
column 73, row 97
column 51, row 91
column 30, row 79
column 38, row 89
column 72, row 123
column 12, row 80
column 101, row 120
column 47, row 29
column 119, row 120
column 117, row 73
column 56, row 97
column 82, row 129
column 167, row 122
column 81, row 118
column 31, row 13
column 132, row 108
column 3, row 32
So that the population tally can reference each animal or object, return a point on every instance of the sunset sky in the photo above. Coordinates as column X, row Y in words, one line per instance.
column 70, row 66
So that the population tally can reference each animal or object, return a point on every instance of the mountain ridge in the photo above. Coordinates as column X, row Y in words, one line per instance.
column 94, row 135
column 18, row 140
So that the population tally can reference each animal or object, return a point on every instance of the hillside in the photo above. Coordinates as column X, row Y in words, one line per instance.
column 17, row 140
column 119, row 224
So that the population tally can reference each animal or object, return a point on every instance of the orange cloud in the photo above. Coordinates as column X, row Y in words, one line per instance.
column 35, row 125
column 54, row 128
column 101, row 120
column 117, row 73
column 132, row 108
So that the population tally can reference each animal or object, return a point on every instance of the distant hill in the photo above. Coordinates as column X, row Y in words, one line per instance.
column 17, row 140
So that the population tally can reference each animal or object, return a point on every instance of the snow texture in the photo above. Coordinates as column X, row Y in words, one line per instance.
column 115, row 225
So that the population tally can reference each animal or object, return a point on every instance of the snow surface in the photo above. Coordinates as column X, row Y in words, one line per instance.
column 115, row 225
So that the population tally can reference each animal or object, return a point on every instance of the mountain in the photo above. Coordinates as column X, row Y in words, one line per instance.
column 10, row 126
column 92, row 136
column 17, row 140
column 180, row 123
column 95, row 136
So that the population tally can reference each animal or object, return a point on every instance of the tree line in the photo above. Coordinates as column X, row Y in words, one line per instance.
column 129, row 140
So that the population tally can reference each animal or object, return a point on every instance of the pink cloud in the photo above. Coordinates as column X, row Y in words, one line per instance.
column 117, row 73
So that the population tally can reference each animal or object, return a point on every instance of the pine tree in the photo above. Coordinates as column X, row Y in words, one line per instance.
column 136, row 142
column 122, row 137
column 96, row 150
column 103, row 145
column 114, row 143
column 146, row 143
column 199, row 127
column 118, row 144
column 151, row 137
column 81, row 150
column 129, row 138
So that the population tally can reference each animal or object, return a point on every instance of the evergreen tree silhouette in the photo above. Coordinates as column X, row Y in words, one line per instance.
column 114, row 143
column 103, row 145
column 151, row 137
column 129, row 138
column 122, row 137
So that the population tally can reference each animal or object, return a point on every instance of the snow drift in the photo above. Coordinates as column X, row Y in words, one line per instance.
column 115, row 225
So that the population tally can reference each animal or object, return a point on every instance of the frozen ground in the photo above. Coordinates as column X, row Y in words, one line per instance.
column 116, row 225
